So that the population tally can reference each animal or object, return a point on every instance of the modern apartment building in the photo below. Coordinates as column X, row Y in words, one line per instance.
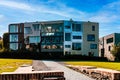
column 62, row 36
column 106, row 43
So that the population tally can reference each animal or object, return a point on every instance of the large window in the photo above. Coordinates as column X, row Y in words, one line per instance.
column 110, row 40
column 76, row 46
column 27, row 30
column 13, row 38
column 36, row 27
column 14, row 46
column 76, row 27
column 34, row 39
column 52, row 28
column 13, row 28
column 91, row 37
column 76, row 37
column 93, row 46
column 67, row 36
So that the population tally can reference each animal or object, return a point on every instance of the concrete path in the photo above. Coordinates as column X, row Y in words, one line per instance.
column 39, row 66
column 68, row 73
column 24, row 69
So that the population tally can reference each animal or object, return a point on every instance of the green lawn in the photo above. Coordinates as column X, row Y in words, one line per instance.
column 8, row 65
column 108, row 65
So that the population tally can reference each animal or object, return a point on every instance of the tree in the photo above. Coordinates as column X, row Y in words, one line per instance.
column 6, row 41
column 1, row 44
column 116, row 51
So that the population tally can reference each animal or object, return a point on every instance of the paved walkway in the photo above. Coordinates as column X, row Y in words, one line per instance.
column 24, row 68
column 68, row 73
column 39, row 66
column 51, row 66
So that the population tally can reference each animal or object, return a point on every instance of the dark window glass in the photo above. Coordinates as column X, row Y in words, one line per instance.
column 93, row 46
column 93, row 28
column 76, row 46
column 67, row 27
column 110, row 40
column 36, row 27
column 27, row 30
column 76, row 37
column 91, row 37
column 67, row 36
column 76, row 27
column 67, row 46
column 109, row 48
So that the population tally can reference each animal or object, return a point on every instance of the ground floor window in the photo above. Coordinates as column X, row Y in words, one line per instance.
column 14, row 46
column 76, row 46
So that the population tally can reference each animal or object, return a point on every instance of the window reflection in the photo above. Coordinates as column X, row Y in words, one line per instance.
column 13, row 38
column 14, row 46
column 13, row 28
column 27, row 30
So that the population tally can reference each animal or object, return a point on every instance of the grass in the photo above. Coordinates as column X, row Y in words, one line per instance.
column 9, row 65
column 108, row 65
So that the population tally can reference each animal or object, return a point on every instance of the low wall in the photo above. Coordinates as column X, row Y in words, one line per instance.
column 35, row 75
column 97, row 73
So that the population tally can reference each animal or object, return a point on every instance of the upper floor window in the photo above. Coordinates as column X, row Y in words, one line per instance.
column 13, row 38
column 67, row 27
column 110, row 40
column 34, row 39
column 67, row 46
column 91, row 37
column 77, row 37
column 67, row 36
column 93, row 28
column 36, row 27
column 76, row 27
column 76, row 46
column 13, row 28
column 27, row 30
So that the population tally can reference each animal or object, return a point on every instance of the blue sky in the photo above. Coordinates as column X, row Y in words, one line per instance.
column 106, row 12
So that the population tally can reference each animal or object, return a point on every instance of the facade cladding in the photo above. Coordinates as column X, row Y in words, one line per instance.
column 66, row 37
column 106, row 44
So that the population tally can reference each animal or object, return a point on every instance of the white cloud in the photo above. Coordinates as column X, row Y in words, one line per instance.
column 58, row 9
column 16, row 5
